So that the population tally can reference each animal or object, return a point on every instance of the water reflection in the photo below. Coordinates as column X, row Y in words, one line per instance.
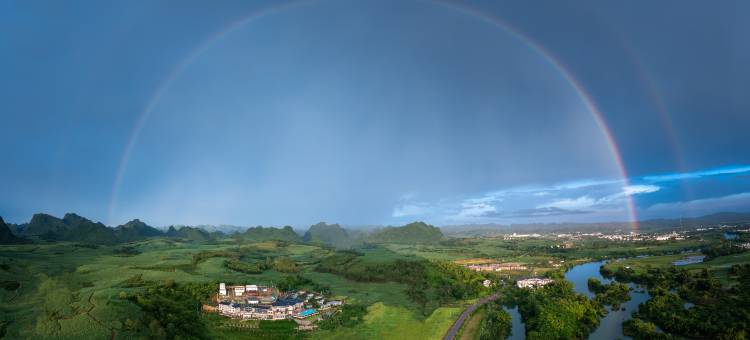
column 731, row 236
column 518, row 330
column 689, row 260
column 610, row 326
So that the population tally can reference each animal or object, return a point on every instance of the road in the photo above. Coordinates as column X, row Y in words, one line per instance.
column 465, row 315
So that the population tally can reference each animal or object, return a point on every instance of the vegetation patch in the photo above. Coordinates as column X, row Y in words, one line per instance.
column 555, row 311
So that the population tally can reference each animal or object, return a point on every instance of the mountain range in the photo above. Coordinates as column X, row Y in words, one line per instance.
column 74, row 228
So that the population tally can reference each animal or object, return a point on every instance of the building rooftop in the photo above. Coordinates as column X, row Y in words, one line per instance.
column 287, row 302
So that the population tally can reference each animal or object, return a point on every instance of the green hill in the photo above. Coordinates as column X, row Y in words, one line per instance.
column 416, row 232
column 260, row 233
column 6, row 236
column 189, row 233
column 329, row 234
column 43, row 224
column 70, row 228
column 135, row 230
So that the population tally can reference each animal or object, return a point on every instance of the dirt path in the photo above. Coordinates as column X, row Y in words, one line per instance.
column 88, row 312
column 465, row 315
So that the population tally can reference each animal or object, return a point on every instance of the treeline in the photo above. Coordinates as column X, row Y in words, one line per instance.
column 297, row 282
column 280, row 264
column 497, row 323
column 429, row 283
column 722, row 249
column 555, row 311
column 170, row 310
column 612, row 294
column 349, row 316
column 714, row 312
column 248, row 266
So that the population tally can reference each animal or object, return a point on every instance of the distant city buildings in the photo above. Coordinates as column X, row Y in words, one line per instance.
column 495, row 267
column 516, row 235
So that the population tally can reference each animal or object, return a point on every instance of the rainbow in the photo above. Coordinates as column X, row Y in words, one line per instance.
column 564, row 71
column 665, row 117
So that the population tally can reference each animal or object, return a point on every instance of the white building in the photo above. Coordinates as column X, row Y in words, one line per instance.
column 533, row 283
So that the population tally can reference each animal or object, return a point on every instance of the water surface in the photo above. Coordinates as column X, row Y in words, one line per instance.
column 518, row 329
column 610, row 326
column 689, row 260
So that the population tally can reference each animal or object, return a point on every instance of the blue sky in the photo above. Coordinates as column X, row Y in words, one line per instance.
column 372, row 112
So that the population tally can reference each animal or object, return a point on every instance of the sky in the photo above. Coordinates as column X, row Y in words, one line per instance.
column 373, row 112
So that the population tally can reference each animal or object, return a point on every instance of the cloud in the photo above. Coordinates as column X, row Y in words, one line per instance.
column 597, row 199
column 585, row 184
column 473, row 210
column 639, row 189
column 410, row 210
column 730, row 170
column 570, row 203
column 607, row 201
column 734, row 202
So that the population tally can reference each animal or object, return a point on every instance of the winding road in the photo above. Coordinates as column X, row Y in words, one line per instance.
column 465, row 315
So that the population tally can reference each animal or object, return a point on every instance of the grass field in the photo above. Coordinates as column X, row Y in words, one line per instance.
column 73, row 291
column 80, row 287
column 719, row 266
column 393, row 322
column 471, row 327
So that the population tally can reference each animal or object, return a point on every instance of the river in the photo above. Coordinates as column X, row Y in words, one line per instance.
column 518, row 329
column 731, row 236
column 610, row 327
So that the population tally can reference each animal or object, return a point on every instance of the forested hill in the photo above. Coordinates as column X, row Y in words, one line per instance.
column 135, row 230
column 189, row 233
column 70, row 228
column 417, row 232
column 260, row 233
column 75, row 228
column 6, row 236
column 330, row 234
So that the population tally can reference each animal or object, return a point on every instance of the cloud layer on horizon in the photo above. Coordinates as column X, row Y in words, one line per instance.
column 590, row 200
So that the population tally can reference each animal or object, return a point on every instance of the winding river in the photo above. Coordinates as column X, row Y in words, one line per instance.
column 518, row 329
column 610, row 327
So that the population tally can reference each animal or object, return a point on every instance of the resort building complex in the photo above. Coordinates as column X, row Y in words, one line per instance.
column 258, row 302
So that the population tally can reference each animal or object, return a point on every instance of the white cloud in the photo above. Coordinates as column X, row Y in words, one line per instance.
column 410, row 210
column 585, row 184
column 597, row 198
column 732, row 202
column 582, row 202
column 698, row 174
column 640, row 189
column 473, row 210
